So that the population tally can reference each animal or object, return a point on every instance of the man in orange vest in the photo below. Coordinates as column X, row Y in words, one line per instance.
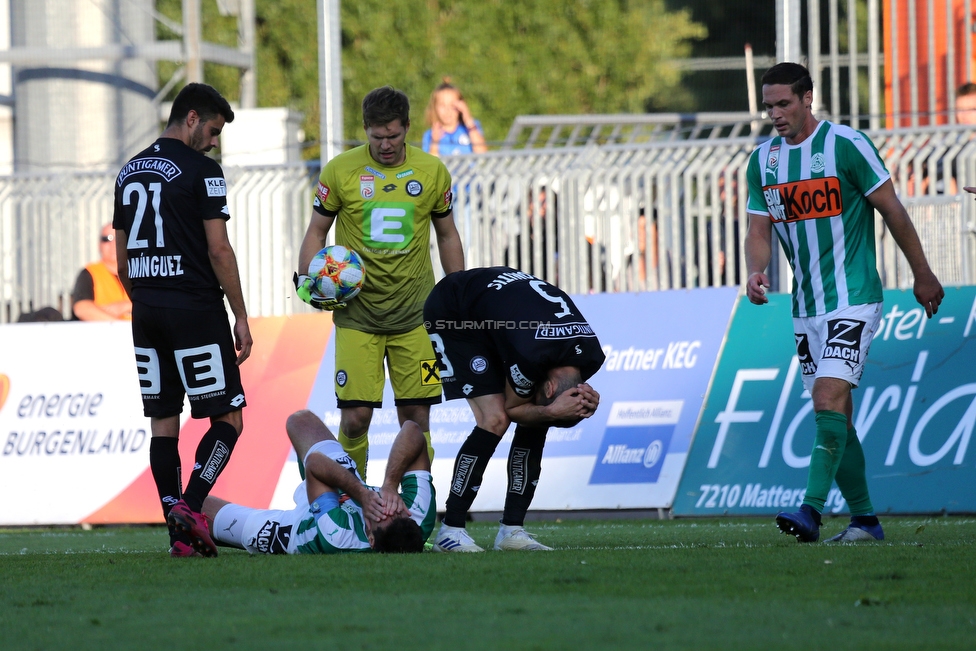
column 98, row 294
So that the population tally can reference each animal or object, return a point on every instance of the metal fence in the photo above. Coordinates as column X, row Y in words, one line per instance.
column 611, row 218
column 671, row 214
column 49, row 227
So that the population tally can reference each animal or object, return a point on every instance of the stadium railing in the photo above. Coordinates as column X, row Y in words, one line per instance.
column 599, row 218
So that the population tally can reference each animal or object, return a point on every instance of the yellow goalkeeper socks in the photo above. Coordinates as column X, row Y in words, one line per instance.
column 358, row 449
column 430, row 448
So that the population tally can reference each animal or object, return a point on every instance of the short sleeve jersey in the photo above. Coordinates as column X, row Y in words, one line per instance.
column 451, row 143
column 815, row 193
column 532, row 325
column 383, row 213
column 162, row 198
column 342, row 527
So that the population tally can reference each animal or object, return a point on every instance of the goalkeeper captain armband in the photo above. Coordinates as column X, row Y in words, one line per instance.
column 305, row 288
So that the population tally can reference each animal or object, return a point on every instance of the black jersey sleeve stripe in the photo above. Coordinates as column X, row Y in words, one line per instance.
column 322, row 211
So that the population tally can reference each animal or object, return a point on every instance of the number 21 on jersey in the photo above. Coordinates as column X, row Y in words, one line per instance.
column 142, row 202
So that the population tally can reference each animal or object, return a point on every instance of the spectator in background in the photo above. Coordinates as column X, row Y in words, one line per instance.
column 98, row 294
column 966, row 104
column 453, row 130
column 41, row 315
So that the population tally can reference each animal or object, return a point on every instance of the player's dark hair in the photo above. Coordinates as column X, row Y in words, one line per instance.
column 384, row 105
column 793, row 75
column 968, row 88
column 564, row 382
column 203, row 99
column 400, row 536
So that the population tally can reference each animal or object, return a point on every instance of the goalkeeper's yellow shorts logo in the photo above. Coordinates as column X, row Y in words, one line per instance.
column 429, row 374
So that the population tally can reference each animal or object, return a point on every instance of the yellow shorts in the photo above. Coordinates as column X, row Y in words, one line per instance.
column 360, row 378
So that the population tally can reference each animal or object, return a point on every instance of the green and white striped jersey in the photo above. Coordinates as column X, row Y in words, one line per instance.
column 816, row 195
column 342, row 529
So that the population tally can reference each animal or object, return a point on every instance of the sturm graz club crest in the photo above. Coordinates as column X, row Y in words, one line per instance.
column 479, row 364
column 414, row 188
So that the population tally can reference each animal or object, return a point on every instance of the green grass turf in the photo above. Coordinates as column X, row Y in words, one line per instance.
column 621, row 584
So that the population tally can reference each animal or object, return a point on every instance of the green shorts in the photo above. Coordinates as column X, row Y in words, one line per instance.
column 360, row 377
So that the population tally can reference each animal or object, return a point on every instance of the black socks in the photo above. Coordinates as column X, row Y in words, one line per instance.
column 212, row 455
column 469, row 469
column 524, row 468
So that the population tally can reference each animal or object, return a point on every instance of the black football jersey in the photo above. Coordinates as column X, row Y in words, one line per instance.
column 534, row 326
column 162, row 197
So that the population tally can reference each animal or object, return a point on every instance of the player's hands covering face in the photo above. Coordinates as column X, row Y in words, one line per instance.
column 392, row 503
column 579, row 402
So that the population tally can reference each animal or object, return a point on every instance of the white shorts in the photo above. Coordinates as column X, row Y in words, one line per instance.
column 836, row 344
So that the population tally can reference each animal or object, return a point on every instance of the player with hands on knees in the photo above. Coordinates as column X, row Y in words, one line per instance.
column 526, row 361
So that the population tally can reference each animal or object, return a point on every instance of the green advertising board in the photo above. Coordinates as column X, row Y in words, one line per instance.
column 914, row 411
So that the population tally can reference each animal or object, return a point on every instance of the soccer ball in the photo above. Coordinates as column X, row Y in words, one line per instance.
column 337, row 272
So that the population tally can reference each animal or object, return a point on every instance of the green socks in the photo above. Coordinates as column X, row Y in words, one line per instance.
column 851, row 477
column 828, row 450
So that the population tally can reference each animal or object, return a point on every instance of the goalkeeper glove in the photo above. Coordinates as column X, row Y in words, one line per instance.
column 305, row 288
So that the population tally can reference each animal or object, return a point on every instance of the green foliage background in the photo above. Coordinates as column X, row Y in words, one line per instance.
column 508, row 58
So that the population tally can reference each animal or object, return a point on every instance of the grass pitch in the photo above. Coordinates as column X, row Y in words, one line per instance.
column 621, row 584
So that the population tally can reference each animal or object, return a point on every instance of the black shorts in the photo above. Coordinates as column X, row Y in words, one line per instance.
column 469, row 364
column 186, row 352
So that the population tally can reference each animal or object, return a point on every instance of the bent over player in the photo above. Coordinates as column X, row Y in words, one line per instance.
column 817, row 184
column 520, row 351
column 383, row 198
column 177, row 264
column 323, row 520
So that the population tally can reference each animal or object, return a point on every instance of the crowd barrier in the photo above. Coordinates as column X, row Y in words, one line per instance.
column 644, row 216
column 75, row 446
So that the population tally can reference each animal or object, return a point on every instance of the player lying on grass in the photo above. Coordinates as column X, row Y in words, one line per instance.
column 335, row 511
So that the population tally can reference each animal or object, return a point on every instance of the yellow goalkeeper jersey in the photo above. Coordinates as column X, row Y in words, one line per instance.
column 383, row 213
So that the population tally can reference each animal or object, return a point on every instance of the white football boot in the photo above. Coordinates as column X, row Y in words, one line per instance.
column 514, row 538
column 454, row 539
